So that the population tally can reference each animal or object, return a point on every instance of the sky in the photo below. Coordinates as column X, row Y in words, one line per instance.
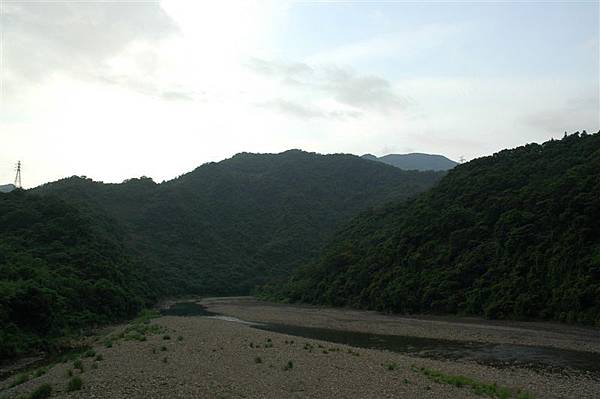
column 118, row 89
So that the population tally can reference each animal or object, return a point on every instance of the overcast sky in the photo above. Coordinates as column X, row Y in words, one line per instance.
column 116, row 89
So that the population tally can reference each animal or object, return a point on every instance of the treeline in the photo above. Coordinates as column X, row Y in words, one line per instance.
column 514, row 235
column 62, row 269
column 228, row 226
column 77, row 253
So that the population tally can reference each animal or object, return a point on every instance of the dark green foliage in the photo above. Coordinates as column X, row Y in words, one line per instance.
column 391, row 366
column 85, row 253
column 40, row 372
column 78, row 364
column 226, row 227
column 42, row 392
column 257, row 360
column 140, row 328
column 288, row 366
column 62, row 269
column 21, row 378
column 513, row 235
column 75, row 384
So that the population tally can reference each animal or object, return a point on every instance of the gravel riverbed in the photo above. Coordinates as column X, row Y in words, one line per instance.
column 211, row 358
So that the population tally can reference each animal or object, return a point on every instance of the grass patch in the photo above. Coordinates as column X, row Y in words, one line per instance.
column 146, row 315
column 21, row 379
column 78, row 364
column 41, row 392
column 288, row 366
column 74, row 384
column 139, row 328
column 479, row 388
column 40, row 372
column 108, row 343
column 391, row 366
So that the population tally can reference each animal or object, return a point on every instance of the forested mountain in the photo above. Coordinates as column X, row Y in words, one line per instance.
column 61, row 268
column 226, row 227
column 415, row 161
column 513, row 235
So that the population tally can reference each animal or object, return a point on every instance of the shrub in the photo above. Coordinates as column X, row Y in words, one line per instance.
column 99, row 358
column 41, row 392
column 391, row 366
column 75, row 384
column 78, row 364
column 21, row 378
column 257, row 360
column 166, row 336
column 288, row 366
column 40, row 372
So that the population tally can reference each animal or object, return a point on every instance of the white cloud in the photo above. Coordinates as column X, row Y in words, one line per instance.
column 349, row 93
column 79, row 39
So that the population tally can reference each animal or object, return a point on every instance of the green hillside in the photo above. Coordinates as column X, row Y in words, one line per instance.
column 62, row 268
column 513, row 235
column 226, row 227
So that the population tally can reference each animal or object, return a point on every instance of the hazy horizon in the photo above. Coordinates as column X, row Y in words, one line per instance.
column 120, row 90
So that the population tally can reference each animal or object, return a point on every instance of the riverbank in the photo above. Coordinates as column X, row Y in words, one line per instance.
column 199, row 357
column 555, row 335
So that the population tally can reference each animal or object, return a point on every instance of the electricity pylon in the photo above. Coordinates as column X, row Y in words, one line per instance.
column 18, row 176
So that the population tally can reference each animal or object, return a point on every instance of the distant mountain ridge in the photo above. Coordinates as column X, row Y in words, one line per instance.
column 415, row 161
column 7, row 188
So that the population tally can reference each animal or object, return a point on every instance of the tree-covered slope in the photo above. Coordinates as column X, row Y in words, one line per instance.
column 226, row 227
column 62, row 268
column 513, row 235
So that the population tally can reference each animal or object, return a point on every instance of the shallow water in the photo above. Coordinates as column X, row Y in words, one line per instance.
column 496, row 355
column 186, row 309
